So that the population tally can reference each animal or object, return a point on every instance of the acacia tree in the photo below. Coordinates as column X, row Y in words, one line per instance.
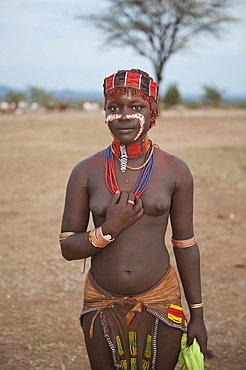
column 157, row 29
column 41, row 96
column 212, row 96
column 172, row 96
column 15, row 97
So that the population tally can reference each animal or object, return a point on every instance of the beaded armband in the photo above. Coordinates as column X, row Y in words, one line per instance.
column 184, row 243
column 65, row 235
column 97, row 239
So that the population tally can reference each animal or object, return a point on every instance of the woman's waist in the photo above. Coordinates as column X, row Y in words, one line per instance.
column 130, row 278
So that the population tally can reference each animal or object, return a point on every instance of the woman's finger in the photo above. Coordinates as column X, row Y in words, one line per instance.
column 138, row 203
column 115, row 198
column 140, row 213
column 189, row 341
column 124, row 197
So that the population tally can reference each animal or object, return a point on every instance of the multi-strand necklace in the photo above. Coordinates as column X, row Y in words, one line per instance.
column 130, row 151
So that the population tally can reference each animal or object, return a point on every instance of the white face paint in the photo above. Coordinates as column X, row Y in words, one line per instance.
column 112, row 117
column 141, row 119
column 138, row 116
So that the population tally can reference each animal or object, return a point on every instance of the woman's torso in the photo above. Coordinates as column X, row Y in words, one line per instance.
column 138, row 258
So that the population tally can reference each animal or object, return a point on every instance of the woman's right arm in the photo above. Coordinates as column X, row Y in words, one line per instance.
column 76, row 217
column 120, row 215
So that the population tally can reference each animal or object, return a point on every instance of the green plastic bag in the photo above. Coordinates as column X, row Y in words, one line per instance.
column 191, row 358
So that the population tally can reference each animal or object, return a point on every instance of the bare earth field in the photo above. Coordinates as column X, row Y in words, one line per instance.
column 41, row 293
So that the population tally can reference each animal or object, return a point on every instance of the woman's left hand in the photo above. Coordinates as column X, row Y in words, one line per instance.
column 197, row 329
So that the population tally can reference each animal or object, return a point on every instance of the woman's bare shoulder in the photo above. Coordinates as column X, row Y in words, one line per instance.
column 177, row 167
column 172, row 160
column 90, row 163
column 83, row 169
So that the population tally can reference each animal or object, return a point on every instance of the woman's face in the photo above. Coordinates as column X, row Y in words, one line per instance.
column 128, row 117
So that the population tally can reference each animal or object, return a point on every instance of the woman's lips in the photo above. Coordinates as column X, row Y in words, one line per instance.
column 125, row 129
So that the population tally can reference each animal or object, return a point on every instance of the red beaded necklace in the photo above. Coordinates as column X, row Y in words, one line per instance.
column 133, row 150
column 142, row 181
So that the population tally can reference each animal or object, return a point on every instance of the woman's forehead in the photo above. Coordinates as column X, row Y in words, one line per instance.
column 128, row 95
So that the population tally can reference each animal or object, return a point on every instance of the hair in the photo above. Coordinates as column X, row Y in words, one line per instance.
column 153, row 105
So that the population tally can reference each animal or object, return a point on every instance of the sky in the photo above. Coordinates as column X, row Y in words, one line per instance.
column 43, row 44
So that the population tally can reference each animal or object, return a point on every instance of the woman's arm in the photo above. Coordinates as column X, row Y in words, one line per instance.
column 76, row 216
column 188, row 259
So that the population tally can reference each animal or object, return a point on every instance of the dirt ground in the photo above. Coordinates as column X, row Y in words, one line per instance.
column 41, row 293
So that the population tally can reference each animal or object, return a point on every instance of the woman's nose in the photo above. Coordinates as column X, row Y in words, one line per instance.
column 124, row 115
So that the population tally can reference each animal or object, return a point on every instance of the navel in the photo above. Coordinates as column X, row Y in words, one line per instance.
column 128, row 272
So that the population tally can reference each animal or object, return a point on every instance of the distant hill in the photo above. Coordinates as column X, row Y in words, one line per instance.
column 78, row 95
column 226, row 97
column 5, row 89
column 65, row 94
column 73, row 95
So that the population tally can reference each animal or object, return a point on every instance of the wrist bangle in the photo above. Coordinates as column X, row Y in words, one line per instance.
column 196, row 305
column 97, row 239
column 89, row 236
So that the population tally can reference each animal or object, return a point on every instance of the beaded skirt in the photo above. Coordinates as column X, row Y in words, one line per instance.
column 130, row 324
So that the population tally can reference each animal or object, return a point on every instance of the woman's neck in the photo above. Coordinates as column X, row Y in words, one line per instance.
column 134, row 150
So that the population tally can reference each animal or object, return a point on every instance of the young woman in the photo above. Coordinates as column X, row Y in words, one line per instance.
column 132, row 316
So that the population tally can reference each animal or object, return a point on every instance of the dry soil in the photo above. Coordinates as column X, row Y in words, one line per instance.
column 41, row 293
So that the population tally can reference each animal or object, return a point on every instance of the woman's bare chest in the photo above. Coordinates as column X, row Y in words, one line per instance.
column 156, row 198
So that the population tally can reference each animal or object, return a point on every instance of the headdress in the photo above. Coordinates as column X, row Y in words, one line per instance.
column 133, row 80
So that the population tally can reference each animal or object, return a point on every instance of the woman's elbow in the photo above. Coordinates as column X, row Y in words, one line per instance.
column 66, row 253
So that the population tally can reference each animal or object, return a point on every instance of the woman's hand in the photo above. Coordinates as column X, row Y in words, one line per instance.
column 123, row 211
column 196, row 329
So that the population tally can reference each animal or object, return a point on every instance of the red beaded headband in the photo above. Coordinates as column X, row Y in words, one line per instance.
column 134, row 80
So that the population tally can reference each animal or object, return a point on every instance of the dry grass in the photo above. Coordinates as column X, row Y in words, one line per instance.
column 41, row 294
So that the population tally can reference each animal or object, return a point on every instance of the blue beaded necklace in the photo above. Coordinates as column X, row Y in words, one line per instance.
column 142, row 181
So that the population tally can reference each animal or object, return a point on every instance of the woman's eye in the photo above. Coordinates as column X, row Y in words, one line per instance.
column 113, row 109
column 136, row 107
